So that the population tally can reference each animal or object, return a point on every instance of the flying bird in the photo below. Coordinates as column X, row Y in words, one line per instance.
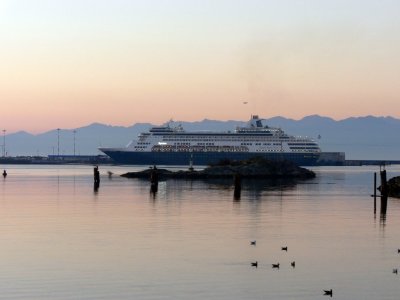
column 275, row 266
column 293, row 264
column 328, row 292
column 253, row 243
column 284, row 248
column 254, row 264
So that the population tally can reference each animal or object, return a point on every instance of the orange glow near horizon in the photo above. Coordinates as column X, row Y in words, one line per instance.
column 124, row 63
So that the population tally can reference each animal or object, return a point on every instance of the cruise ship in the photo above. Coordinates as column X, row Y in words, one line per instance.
column 167, row 145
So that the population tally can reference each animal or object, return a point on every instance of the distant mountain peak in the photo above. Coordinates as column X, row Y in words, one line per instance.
column 317, row 118
column 21, row 133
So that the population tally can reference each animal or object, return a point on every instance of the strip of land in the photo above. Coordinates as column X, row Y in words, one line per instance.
column 253, row 168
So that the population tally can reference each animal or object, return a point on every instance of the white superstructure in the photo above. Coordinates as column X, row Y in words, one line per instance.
column 254, row 138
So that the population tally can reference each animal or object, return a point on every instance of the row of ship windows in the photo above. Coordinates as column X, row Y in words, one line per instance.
column 245, row 139
column 164, row 148
column 198, row 144
column 281, row 150
column 242, row 144
column 261, row 144
column 246, row 144
column 212, row 144
column 270, row 150
column 301, row 148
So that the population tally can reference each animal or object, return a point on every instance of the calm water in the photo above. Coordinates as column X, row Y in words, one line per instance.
column 59, row 239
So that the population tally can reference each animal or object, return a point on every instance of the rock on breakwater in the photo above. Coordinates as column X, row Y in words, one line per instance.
column 394, row 187
column 252, row 168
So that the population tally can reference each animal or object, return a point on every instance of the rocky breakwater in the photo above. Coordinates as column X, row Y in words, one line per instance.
column 253, row 168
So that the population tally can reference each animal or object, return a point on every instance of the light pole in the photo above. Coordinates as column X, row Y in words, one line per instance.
column 4, row 143
column 58, row 142
column 74, row 140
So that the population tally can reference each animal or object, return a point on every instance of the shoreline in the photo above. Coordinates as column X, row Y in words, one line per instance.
column 105, row 160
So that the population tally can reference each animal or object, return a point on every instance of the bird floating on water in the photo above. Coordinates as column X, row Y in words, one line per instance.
column 284, row 248
column 394, row 271
column 293, row 264
column 275, row 266
column 328, row 292
column 254, row 264
column 253, row 243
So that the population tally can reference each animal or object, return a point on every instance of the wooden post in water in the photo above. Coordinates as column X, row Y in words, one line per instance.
column 96, row 177
column 154, row 180
column 375, row 193
column 384, row 192
column 238, row 186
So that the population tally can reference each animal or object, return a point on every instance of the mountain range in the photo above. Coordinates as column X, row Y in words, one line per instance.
column 367, row 137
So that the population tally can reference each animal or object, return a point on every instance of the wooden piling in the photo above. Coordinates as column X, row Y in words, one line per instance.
column 96, row 176
column 238, row 186
column 375, row 193
column 154, row 180
column 384, row 186
column 384, row 192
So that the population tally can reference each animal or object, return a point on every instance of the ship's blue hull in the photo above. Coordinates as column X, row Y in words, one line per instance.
column 202, row 158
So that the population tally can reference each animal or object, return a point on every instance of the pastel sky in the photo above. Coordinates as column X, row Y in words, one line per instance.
column 70, row 63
